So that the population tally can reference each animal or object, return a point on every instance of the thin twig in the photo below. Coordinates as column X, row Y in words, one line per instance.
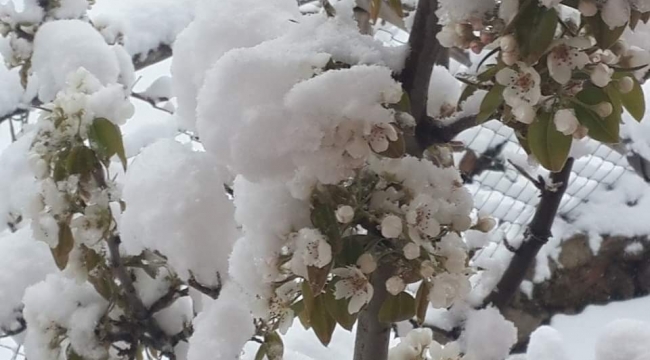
column 150, row 101
column 212, row 292
column 525, row 174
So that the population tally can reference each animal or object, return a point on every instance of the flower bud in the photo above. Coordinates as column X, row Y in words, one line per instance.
column 587, row 8
column 366, row 263
column 486, row 224
column 426, row 269
column 566, row 121
column 626, row 84
column 344, row 214
column 601, row 75
column 391, row 227
column 411, row 251
column 395, row 285
column 508, row 43
column 604, row 109
column 580, row 133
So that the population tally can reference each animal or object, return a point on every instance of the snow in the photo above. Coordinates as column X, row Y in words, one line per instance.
column 546, row 344
column 488, row 335
column 599, row 328
column 143, row 24
column 62, row 47
column 17, row 185
column 24, row 263
column 175, row 196
column 219, row 27
column 278, row 92
column 76, row 310
column 222, row 329
column 10, row 90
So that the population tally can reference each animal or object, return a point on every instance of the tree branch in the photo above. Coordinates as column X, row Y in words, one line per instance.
column 425, row 50
column 153, row 56
column 373, row 336
column 537, row 234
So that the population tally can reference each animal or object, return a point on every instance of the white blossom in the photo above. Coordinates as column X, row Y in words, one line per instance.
column 588, row 7
column 395, row 285
column 280, row 306
column 311, row 249
column 380, row 137
column 486, row 224
column 411, row 251
column 601, row 75
column 391, row 227
column 447, row 288
column 420, row 219
column 566, row 121
column 353, row 285
column 522, row 90
column 344, row 214
column 616, row 13
column 366, row 262
column 625, row 85
column 604, row 109
column 565, row 56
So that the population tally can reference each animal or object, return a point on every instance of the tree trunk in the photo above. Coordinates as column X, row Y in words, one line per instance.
column 373, row 336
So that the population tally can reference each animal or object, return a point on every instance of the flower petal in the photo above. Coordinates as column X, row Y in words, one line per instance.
column 506, row 76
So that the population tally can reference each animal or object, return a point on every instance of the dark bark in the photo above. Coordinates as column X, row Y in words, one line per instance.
column 373, row 336
column 424, row 51
column 537, row 234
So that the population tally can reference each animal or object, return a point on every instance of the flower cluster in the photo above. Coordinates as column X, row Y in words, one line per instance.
column 570, row 71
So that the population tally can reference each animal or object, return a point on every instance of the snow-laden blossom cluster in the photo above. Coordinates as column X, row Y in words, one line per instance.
column 341, row 200
column 562, row 69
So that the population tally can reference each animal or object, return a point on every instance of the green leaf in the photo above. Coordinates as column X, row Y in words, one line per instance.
column 490, row 72
column 102, row 284
column 308, row 301
column 61, row 252
column 396, row 5
column 491, row 102
column 323, row 215
column 605, row 37
column 601, row 129
column 339, row 310
column 61, row 165
column 634, row 101
column 550, row 147
column 106, row 138
column 404, row 103
column 261, row 352
column 467, row 92
column 321, row 321
column 535, row 30
column 354, row 247
column 375, row 6
column 81, row 161
column 397, row 308
column 274, row 346
column 422, row 302
column 318, row 278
